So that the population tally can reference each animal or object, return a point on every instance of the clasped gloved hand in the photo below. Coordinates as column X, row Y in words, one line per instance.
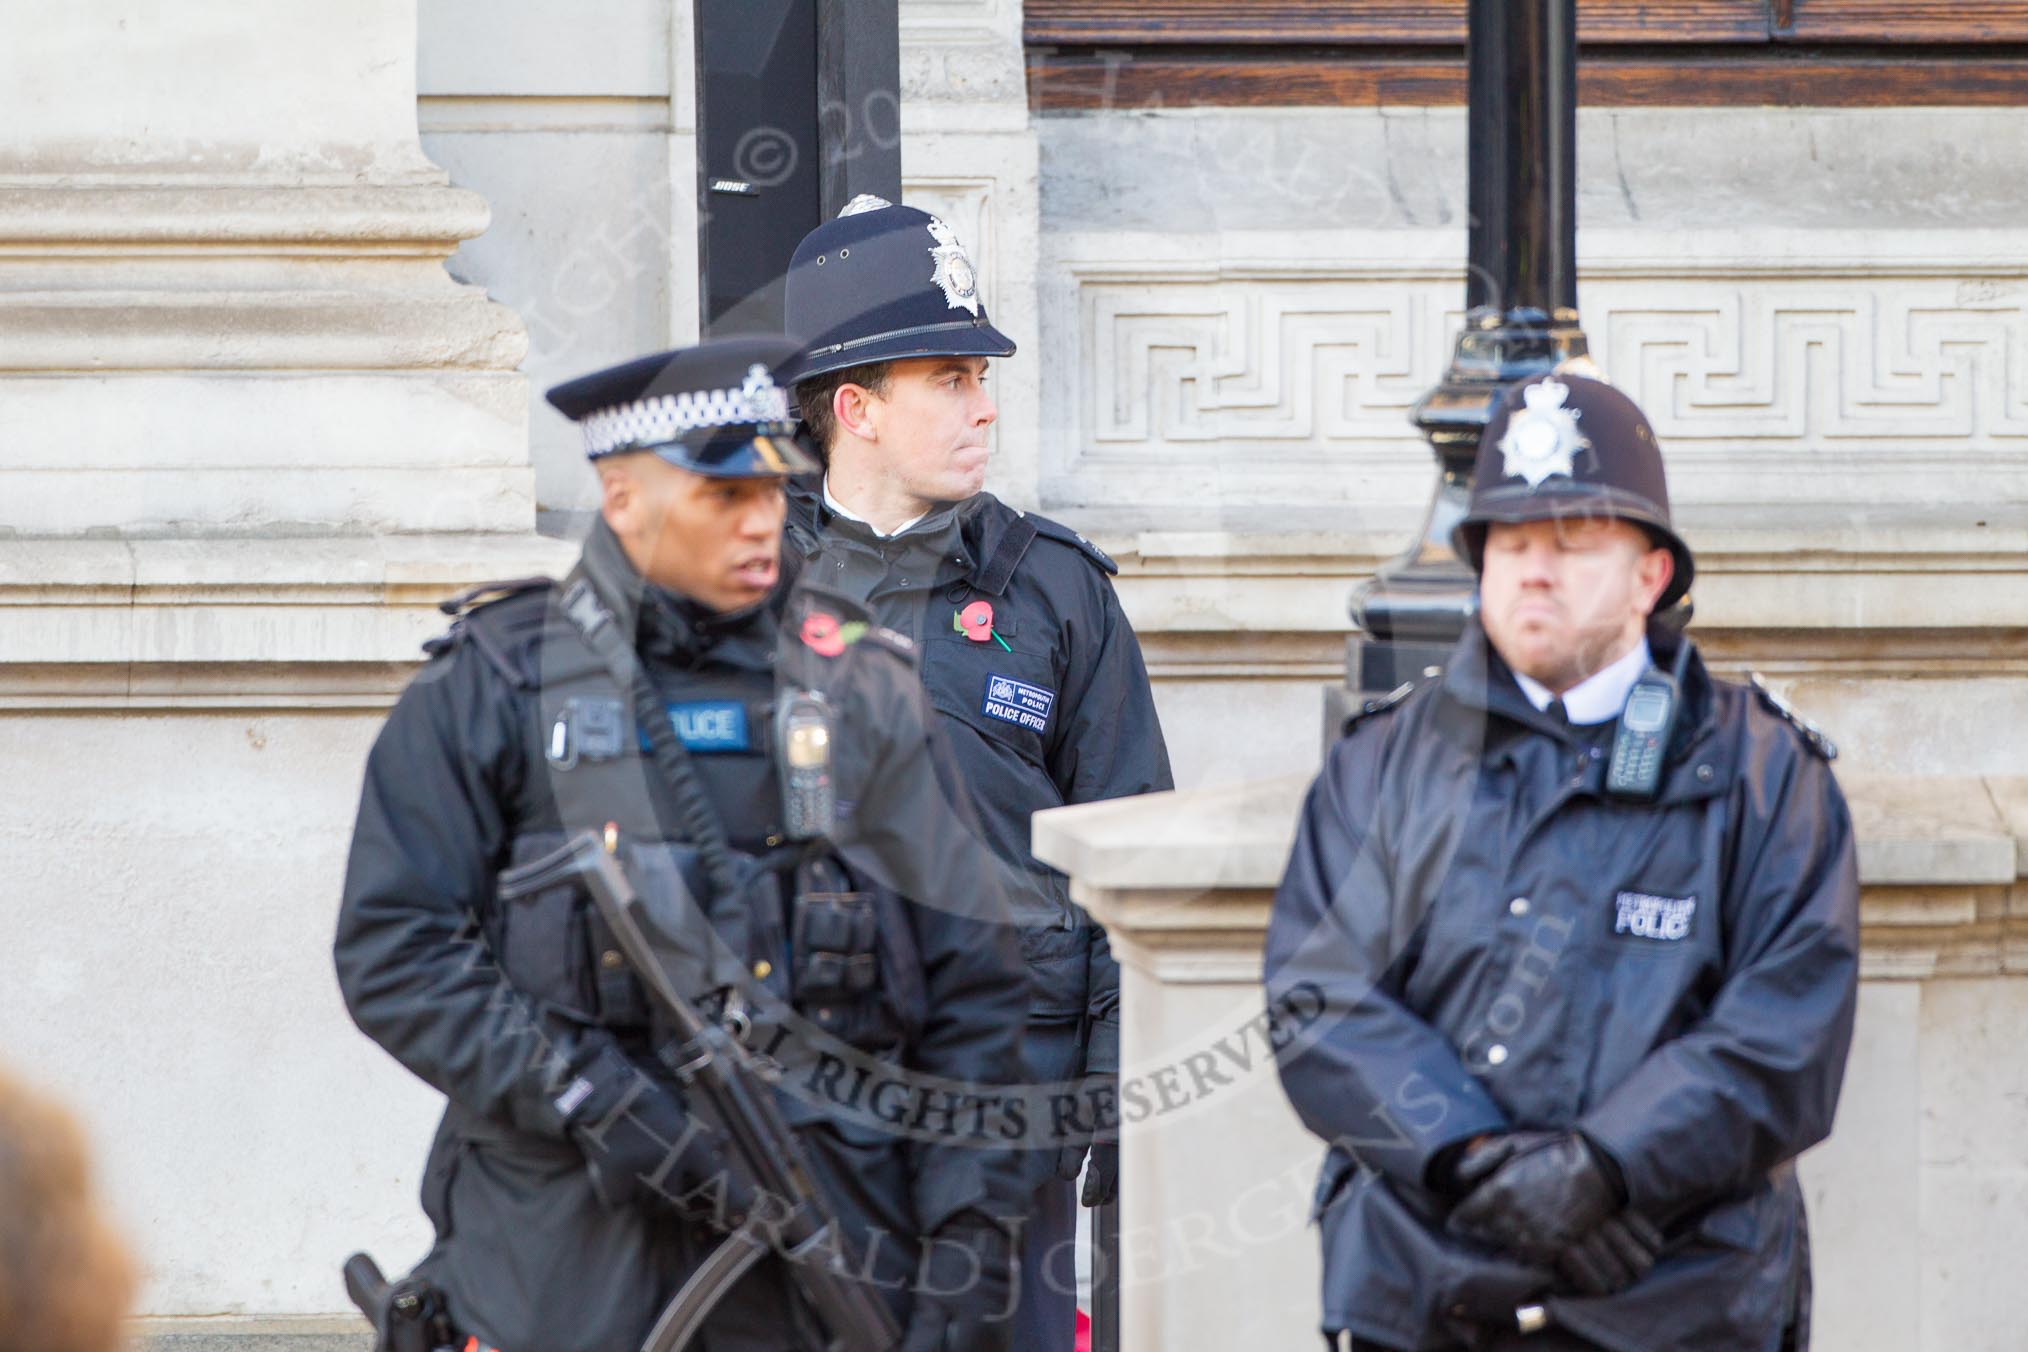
column 965, row 1288
column 1533, row 1197
column 642, row 1148
column 1615, row 1255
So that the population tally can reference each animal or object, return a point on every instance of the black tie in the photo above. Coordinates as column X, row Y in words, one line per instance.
column 1557, row 714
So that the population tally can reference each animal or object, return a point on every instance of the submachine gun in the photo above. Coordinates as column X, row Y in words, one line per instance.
column 730, row 1084
column 791, row 1215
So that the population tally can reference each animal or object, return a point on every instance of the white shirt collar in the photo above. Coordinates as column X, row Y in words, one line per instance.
column 838, row 508
column 1599, row 697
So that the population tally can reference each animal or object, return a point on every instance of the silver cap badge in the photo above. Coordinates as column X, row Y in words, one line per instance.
column 954, row 272
column 1543, row 439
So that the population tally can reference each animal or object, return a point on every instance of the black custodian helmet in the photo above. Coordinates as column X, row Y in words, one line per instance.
column 1563, row 446
column 885, row 283
column 712, row 409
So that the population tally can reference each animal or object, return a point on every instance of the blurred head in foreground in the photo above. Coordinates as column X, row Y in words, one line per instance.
column 66, row 1282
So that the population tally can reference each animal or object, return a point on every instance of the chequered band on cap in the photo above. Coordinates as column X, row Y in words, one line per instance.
column 654, row 422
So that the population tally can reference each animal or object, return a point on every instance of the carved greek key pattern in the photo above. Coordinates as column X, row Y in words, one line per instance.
column 1325, row 366
column 1812, row 365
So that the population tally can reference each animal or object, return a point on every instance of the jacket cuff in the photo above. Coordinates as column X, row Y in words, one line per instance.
column 1417, row 1162
column 1608, row 1165
column 954, row 1179
column 1102, row 1048
column 1616, row 1145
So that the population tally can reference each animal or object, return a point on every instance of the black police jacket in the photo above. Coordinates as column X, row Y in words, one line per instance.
column 1050, row 707
column 497, row 1003
column 1492, row 944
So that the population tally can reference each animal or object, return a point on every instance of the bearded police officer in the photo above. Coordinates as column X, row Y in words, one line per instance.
column 1026, row 652
column 1583, row 920
column 572, row 1184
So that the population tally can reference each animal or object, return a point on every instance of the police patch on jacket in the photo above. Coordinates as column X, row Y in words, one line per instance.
column 711, row 725
column 1017, row 702
column 1643, row 916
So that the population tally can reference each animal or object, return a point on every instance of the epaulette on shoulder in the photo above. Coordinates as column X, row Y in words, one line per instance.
column 1378, row 705
column 486, row 593
column 501, row 620
column 1063, row 534
column 890, row 639
column 1812, row 735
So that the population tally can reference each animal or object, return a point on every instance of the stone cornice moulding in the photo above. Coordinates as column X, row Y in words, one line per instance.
column 1240, row 606
column 63, row 219
column 280, row 331
column 1185, row 880
column 1812, row 570
column 1608, row 251
column 222, row 277
column 287, row 623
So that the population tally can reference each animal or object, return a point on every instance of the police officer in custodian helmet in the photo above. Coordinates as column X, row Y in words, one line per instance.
column 1026, row 655
column 1583, row 919
column 760, row 763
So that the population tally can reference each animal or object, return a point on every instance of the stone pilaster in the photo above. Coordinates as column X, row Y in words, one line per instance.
column 223, row 308
column 250, row 431
column 969, row 155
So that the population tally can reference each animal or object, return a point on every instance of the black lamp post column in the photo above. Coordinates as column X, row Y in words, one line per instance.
column 1521, row 298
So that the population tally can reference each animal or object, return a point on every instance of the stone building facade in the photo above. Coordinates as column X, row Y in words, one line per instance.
column 280, row 287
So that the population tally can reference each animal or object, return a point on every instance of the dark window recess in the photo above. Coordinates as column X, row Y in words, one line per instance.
column 1095, row 54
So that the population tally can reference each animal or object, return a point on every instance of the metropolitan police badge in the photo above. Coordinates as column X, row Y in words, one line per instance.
column 1543, row 439
column 954, row 268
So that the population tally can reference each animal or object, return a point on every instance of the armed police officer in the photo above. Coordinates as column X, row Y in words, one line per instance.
column 1025, row 650
column 1584, row 921
column 760, row 766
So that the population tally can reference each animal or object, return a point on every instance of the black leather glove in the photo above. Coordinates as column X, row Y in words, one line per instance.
column 1102, row 1175
column 1461, row 1167
column 643, row 1149
column 965, row 1288
column 1612, row 1257
column 1539, row 1201
column 1102, row 1178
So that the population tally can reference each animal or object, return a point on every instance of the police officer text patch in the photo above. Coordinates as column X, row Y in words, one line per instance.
column 1648, row 917
column 1017, row 702
column 710, row 725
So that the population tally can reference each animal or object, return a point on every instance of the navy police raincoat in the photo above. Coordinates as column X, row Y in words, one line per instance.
column 1499, row 945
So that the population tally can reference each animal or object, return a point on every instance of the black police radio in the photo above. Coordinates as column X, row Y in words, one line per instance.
column 1641, row 742
column 803, row 756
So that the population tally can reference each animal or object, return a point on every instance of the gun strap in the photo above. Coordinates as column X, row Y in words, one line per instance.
column 697, row 818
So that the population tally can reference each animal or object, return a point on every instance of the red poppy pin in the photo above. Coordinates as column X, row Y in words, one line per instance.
column 975, row 622
column 822, row 634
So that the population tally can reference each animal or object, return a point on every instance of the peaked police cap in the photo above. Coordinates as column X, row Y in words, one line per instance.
column 885, row 283
column 1564, row 447
column 714, row 409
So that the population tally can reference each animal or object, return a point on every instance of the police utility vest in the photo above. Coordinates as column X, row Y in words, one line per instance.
column 801, row 934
